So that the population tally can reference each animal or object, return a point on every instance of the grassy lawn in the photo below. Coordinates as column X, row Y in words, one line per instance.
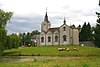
column 52, row 51
column 49, row 56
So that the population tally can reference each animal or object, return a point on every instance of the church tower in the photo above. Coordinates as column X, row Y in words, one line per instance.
column 45, row 25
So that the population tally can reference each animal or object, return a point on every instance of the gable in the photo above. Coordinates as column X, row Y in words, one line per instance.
column 49, row 32
column 56, row 32
column 42, row 33
column 64, row 26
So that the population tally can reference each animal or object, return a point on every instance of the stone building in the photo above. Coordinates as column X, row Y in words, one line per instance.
column 63, row 35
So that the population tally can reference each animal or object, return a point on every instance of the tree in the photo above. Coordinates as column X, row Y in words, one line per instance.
column 12, row 41
column 86, row 33
column 35, row 32
column 28, row 39
column 89, row 32
column 82, row 33
column 97, row 35
column 25, row 38
column 97, row 30
column 4, row 18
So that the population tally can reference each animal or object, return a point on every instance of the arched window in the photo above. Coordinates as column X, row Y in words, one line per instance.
column 56, row 38
column 42, row 39
column 49, row 39
column 64, row 37
column 64, row 28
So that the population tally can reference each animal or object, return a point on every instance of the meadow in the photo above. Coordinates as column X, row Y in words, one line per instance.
column 49, row 56
column 52, row 51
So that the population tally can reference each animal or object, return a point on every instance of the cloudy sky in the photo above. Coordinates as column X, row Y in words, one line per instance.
column 28, row 14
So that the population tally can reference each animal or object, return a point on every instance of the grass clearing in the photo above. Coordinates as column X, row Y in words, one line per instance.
column 52, row 51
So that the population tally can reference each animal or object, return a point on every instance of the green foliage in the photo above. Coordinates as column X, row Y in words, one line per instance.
column 97, row 35
column 12, row 41
column 25, row 38
column 28, row 38
column 86, row 32
column 97, row 31
column 35, row 32
column 4, row 18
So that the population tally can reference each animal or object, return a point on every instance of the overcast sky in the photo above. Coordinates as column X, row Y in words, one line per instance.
column 29, row 14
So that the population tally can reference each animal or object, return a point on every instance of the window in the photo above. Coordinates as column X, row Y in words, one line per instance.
column 44, row 24
column 64, row 28
column 49, row 39
column 42, row 39
column 56, row 38
column 64, row 37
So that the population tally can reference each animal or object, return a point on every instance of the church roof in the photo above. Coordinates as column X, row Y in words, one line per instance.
column 53, row 29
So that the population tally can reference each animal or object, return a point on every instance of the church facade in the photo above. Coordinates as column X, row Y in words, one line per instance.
column 63, row 35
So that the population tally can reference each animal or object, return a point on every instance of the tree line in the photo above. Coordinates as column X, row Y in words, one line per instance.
column 89, row 33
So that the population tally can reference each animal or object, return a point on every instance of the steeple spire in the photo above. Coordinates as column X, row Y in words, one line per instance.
column 46, row 16
column 64, row 21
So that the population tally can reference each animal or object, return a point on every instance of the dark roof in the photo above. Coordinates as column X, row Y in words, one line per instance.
column 46, row 17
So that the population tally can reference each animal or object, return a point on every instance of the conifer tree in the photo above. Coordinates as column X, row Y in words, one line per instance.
column 82, row 33
column 86, row 33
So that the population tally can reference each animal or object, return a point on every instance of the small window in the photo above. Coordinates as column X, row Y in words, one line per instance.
column 56, row 38
column 44, row 24
column 42, row 39
column 64, row 37
column 64, row 28
column 49, row 39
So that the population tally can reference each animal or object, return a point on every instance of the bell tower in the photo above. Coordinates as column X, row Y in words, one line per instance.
column 45, row 25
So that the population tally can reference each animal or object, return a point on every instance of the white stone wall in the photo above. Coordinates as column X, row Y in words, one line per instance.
column 42, row 35
column 56, row 33
column 49, row 34
column 75, row 37
column 45, row 26
column 66, row 32
column 70, row 36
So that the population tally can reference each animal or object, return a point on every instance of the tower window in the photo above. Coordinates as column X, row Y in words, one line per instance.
column 64, row 28
column 64, row 37
column 42, row 39
column 44, row 24
column 56, row 38
column 49, row 39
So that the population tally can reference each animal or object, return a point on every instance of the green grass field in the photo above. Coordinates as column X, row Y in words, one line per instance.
column 49, row 56
column 52, row 51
